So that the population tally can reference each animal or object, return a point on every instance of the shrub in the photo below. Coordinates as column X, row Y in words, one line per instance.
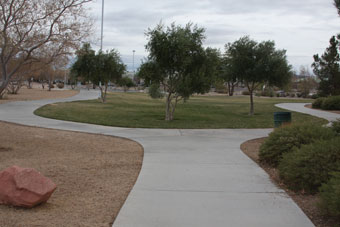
column 245, row 93
column 317, row 103
column 285, row 139
column 60, row 85
column 311, row 165
column 315, row 96
column 292, row 95
column 330, row 195
column 220, row 88
column 336, row 126
column 331, row 103
column 155, row 91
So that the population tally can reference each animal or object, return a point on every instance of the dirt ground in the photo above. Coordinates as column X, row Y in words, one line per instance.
column 94, row 173
column 308, row 203
column 36, row 93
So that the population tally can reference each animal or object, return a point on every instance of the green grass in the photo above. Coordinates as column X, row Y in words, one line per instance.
column 137, row 110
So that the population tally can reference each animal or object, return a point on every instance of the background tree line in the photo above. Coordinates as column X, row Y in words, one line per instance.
column 181, row 66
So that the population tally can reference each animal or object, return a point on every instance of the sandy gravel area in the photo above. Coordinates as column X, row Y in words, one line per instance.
column 307, row 203
column 94, row 173
column 36, row 93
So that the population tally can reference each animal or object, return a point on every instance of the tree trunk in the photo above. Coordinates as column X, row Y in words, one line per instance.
column 103, row 91
column 168, row 114
column 2, row 91
column 251, row 113
column 3, row 86
column 230, row 89
column 49, row 85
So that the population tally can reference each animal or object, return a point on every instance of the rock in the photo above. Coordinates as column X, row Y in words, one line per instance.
column 24, row 187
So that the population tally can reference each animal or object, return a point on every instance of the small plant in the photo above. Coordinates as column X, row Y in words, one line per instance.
column 310, row 166
column 155, row 91
column 317, row 103
column 336, row 126
column 331, row 103
column 330, row 195
column 245, row 93
column 315, row 96
column 60, row 85
column 292, row 95
column 285, row 139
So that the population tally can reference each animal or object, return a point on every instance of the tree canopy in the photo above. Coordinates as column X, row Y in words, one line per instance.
column 101, row 68
column 327, row 69
column 256, row 63
column 37, row 29
column 178, row 62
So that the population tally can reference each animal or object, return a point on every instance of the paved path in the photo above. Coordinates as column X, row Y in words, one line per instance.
column 189, row 178
column 300, row 107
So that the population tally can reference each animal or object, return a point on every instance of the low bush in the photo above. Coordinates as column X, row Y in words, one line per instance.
column 310, row 166
column 317, row 103
column 315, row 96
column 330, row 195
column 336, row 126
column 60, row 85
column 285, row 139
column 292, row 95
column 155, row 91
column 331, row 103
column 245, row 93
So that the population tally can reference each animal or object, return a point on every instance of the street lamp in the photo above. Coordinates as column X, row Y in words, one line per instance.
column 133, row 62
column 102, row 33
column 102, row 25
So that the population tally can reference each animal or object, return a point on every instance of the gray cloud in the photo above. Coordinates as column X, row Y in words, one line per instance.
column 303, row 28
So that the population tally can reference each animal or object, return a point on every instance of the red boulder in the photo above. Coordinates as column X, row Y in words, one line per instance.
column 24, row 187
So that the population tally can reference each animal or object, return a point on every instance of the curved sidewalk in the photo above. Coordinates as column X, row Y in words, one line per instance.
column 300, row 107
column 189, row 178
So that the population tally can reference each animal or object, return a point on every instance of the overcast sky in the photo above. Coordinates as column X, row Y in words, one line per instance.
column 302, row 27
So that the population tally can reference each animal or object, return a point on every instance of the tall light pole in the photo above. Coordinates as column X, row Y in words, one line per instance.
column 102, row 26
column 102, row 32
column 133, row 62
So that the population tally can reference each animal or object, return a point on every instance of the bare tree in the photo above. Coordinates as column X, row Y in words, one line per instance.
column 28, row 27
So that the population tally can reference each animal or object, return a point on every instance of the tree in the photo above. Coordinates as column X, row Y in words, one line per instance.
column 28, row 27
column 258, row 63
column 305, row 82
column 228, row 75
column 108, row 68
column 178, row 62
column 101, row 68
column 327, row 69
column 337, row 5
column 126, row 83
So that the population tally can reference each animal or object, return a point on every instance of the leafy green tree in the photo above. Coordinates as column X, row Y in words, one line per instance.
column 178, row 62
column 126, row 83
column 228, row 75
column 108, row 68
column 101, row 68
column 327, row 69
column 337, row 5
column 83, row 66
column 257, row 63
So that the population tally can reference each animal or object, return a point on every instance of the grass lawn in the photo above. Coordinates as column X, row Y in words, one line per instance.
column 138, row 110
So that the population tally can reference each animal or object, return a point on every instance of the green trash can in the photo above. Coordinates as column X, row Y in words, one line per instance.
column 282, row 118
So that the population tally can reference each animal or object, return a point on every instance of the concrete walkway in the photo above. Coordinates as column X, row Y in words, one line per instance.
column 300, row 107
column 189, row 178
